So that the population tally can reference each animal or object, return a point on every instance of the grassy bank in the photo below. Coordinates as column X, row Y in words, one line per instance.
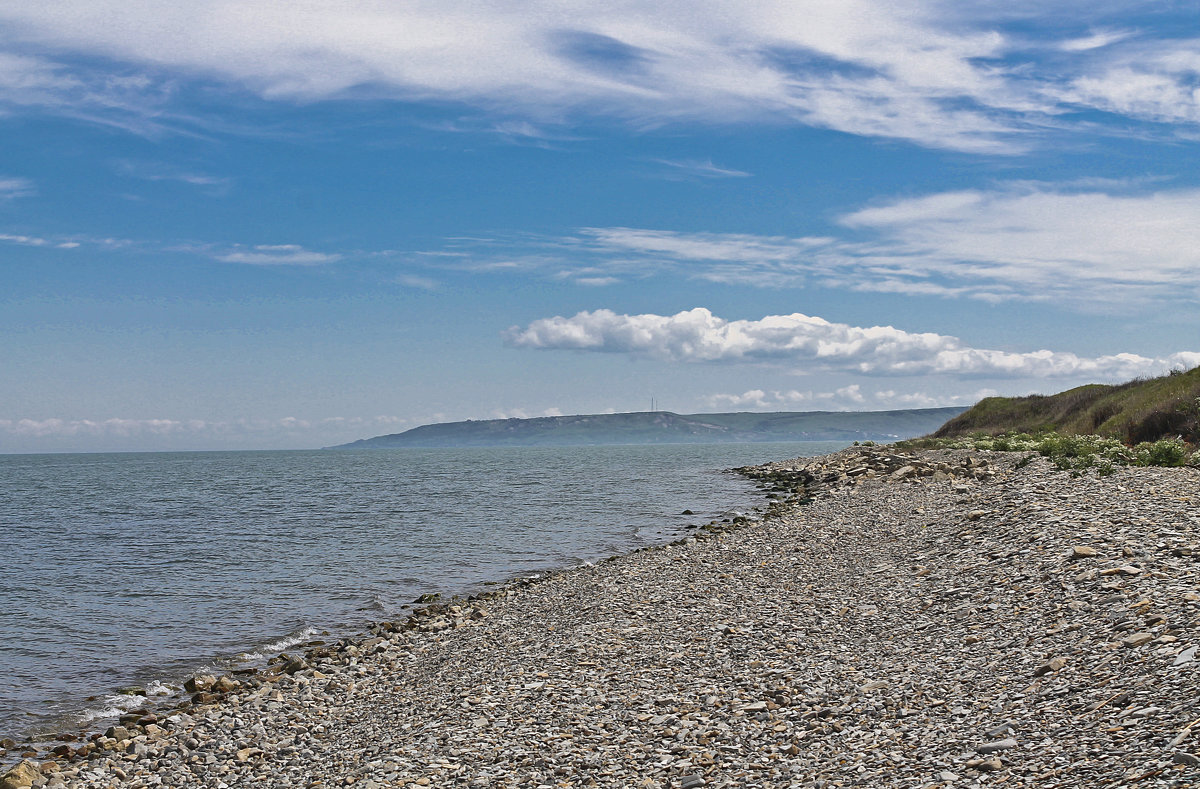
column 1134, row 413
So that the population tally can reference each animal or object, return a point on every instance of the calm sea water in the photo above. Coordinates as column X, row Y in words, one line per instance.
column 138, row 569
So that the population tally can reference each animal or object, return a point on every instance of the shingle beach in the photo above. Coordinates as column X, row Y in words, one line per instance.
column 902, row 619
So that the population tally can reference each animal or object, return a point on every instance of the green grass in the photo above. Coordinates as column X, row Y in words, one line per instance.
column 1073, row 452
column 1134, row 413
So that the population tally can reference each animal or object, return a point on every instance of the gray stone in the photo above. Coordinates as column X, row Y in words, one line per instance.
column 997, row 745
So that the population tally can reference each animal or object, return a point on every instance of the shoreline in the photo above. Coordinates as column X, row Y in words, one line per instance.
column 85, row 724
column 981, row 649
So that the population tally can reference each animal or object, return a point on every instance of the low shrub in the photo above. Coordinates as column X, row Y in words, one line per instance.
column 1073, row 452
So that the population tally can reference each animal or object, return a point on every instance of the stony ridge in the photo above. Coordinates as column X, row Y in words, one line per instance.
column 917, row 619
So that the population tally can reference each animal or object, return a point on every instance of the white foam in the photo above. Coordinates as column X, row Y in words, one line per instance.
column 157, row 688
column 275, row 647
column 114, row 706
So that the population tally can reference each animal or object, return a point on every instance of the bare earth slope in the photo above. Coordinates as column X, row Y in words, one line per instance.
column 973, row 624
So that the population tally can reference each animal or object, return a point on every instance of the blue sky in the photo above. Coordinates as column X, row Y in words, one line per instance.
column 262, row 225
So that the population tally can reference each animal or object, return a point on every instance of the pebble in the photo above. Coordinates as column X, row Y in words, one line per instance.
column 864, row 631
column 997, row 745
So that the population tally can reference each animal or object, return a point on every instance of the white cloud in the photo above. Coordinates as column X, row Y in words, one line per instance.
column 1085, row 244
column 131, row 102
column 277, row 255
column 150, row 171
column 417, row 281
column 54, row 427
column 808, row 343
column 1039, row 242
column 1152, row 80
column 697, row 168
column 15, row 187
column 25, row 241
column 935, row 73
column 522, row 413
column 1094, row 41
column 866, row 67
column 846, row 398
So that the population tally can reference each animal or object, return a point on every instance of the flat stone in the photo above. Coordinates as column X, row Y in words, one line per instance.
column 1186, row 656
column 1136, row 640
column 1083, row 552
column 996, row 745
column 1055, row 664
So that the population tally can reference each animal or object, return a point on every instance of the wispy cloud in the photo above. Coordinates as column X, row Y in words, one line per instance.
column 419, row 282
column 811, row 344
column 1152, row 79
column 15, row 187
column 36, row 241
column 117, row 427
column 1096, row 40
column 913, row 71
column 157, row 172
column 1086, row 244
column 1036, row 241
column 696, row 168
column 277, row 255
column 132, row 102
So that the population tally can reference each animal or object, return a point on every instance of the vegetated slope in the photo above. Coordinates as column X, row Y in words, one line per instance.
column 1136, row 411
column 664, row 427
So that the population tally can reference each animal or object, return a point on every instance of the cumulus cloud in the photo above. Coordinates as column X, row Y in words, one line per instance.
column 810, row 343
column 926, row 72
column 846, row 398
column 523, row 413
column 277, row 255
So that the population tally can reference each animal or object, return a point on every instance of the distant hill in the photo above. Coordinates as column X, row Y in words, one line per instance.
column 664, row 427
column 1140, row 410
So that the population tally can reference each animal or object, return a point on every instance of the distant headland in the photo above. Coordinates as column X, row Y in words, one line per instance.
column 665, row 427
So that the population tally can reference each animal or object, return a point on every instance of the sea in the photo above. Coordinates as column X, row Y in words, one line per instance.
column 136, row 570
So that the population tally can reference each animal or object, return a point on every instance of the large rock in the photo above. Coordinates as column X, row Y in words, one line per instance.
column 21, row 776
column 200, row 684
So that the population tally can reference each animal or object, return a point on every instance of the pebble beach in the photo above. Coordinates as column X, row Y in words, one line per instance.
column 894, row 618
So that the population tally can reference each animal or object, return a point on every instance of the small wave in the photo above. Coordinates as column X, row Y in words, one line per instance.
column 113, row 706
column 275, row 647
column 157, row 688
column 376, row 604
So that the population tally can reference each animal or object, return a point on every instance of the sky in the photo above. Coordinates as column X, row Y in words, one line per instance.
column 241, row 225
